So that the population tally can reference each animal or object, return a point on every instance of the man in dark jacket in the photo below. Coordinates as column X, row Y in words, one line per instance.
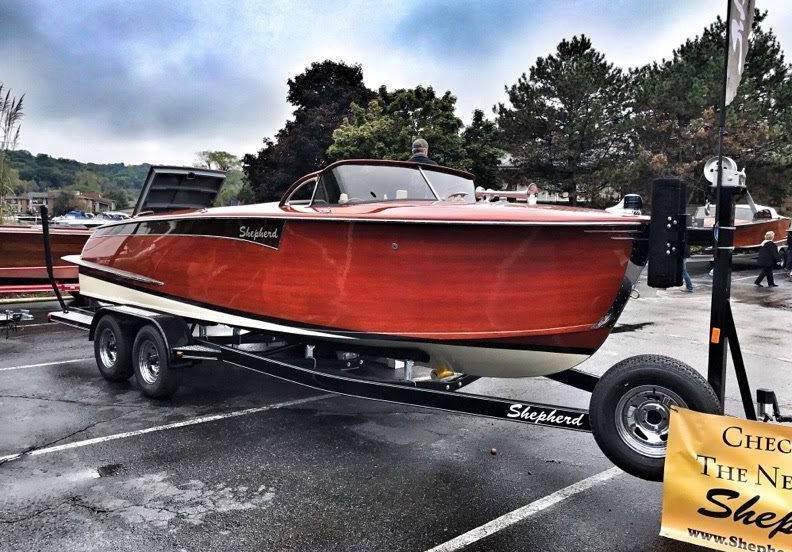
column 789, row 253
column 420, row 152
column 768, row 257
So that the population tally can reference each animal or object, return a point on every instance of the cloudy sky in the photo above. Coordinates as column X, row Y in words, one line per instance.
column 157, row 80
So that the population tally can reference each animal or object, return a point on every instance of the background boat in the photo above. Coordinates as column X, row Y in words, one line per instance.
column 752, row 222
column 22, row 267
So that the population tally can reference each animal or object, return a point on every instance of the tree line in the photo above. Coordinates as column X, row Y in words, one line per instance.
column 22, row 172
column 26, row 172
column 573, row 123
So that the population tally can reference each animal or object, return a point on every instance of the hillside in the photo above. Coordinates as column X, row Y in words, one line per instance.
column 48, row 173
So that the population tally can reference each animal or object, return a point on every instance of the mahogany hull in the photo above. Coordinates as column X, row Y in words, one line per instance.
column 747, row 235
column 751, row 235
column 491, row 300
column 22, row 254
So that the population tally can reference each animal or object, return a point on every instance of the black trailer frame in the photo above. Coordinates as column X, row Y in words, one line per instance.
column 293, row 362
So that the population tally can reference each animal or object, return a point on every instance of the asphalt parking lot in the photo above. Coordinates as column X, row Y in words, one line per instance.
column 240, row 461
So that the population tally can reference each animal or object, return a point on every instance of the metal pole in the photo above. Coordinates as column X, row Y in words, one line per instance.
column 724, row 226
column 48, row 257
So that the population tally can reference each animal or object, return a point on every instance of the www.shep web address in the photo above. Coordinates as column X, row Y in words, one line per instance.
column 733, row 542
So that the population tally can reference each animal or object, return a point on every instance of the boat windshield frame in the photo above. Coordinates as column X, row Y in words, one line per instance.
column 428, row 183
column 314, row 179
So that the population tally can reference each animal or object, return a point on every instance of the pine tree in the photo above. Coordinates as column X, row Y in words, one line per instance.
column 568, row 119
column 676, row 114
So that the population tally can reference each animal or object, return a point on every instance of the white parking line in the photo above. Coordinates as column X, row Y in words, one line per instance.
column 73, row 361
column 524, row 512
column 183, row 423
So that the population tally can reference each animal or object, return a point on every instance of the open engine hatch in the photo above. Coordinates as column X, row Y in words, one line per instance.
column 178, row 188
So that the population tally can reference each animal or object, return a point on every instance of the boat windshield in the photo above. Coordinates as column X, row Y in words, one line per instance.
column 369, row 183
column 741, row 212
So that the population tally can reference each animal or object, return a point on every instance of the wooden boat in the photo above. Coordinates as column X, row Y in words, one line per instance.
column 22, row 264
column 387, row 255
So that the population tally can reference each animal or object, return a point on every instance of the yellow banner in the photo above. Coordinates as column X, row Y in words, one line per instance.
column 728, row 483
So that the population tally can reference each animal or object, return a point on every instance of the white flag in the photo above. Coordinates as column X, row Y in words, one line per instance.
column 742, row 13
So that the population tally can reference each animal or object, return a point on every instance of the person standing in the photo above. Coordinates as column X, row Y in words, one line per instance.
column 685, row 275
column 789, row 253
column 768, row 257
column 420, row 152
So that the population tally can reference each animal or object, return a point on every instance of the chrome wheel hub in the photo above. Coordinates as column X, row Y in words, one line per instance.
column 642, row 416
column 108, row 348
column 148, row 362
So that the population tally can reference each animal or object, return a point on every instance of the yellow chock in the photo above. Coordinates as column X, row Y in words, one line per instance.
column 442, row 372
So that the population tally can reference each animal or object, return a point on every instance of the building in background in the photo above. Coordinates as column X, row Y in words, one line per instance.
column 31, row 202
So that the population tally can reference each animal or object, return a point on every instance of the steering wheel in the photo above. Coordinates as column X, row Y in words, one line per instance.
column 459, row 194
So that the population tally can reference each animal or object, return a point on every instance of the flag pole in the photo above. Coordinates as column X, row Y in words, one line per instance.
column 720, row 314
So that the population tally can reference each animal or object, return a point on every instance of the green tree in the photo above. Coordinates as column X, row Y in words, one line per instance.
column 481, row 146
column 676, row 114
column 568, row 119
column 232, row 187
column 368, row 133
column 322, row 95
column 120, row 196
column 246, row 196
column 16, row 185
column 47, row 173
column 86, row 181
column 10, row 125
column 220, row 160
column 387, row 127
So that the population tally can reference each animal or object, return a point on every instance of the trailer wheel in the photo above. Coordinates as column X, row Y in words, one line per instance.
column 630, row 409
column 151, row 360
column 112, row 349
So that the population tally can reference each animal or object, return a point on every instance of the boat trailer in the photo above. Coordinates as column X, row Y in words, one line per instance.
column 351, row 374
column 629, row 407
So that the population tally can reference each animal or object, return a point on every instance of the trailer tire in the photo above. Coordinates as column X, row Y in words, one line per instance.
column 154, row 374
column 629, row 410
column 113, row 349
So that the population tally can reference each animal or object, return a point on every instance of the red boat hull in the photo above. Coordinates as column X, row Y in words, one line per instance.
column 22, row 255
column 470, row 295
column 751, row 235
column 748, row 236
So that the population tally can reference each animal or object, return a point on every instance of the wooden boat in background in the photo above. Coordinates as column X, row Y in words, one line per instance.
column 22, row 267
column 751, row 223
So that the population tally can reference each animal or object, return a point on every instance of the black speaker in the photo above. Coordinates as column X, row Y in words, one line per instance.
column 667, row 233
